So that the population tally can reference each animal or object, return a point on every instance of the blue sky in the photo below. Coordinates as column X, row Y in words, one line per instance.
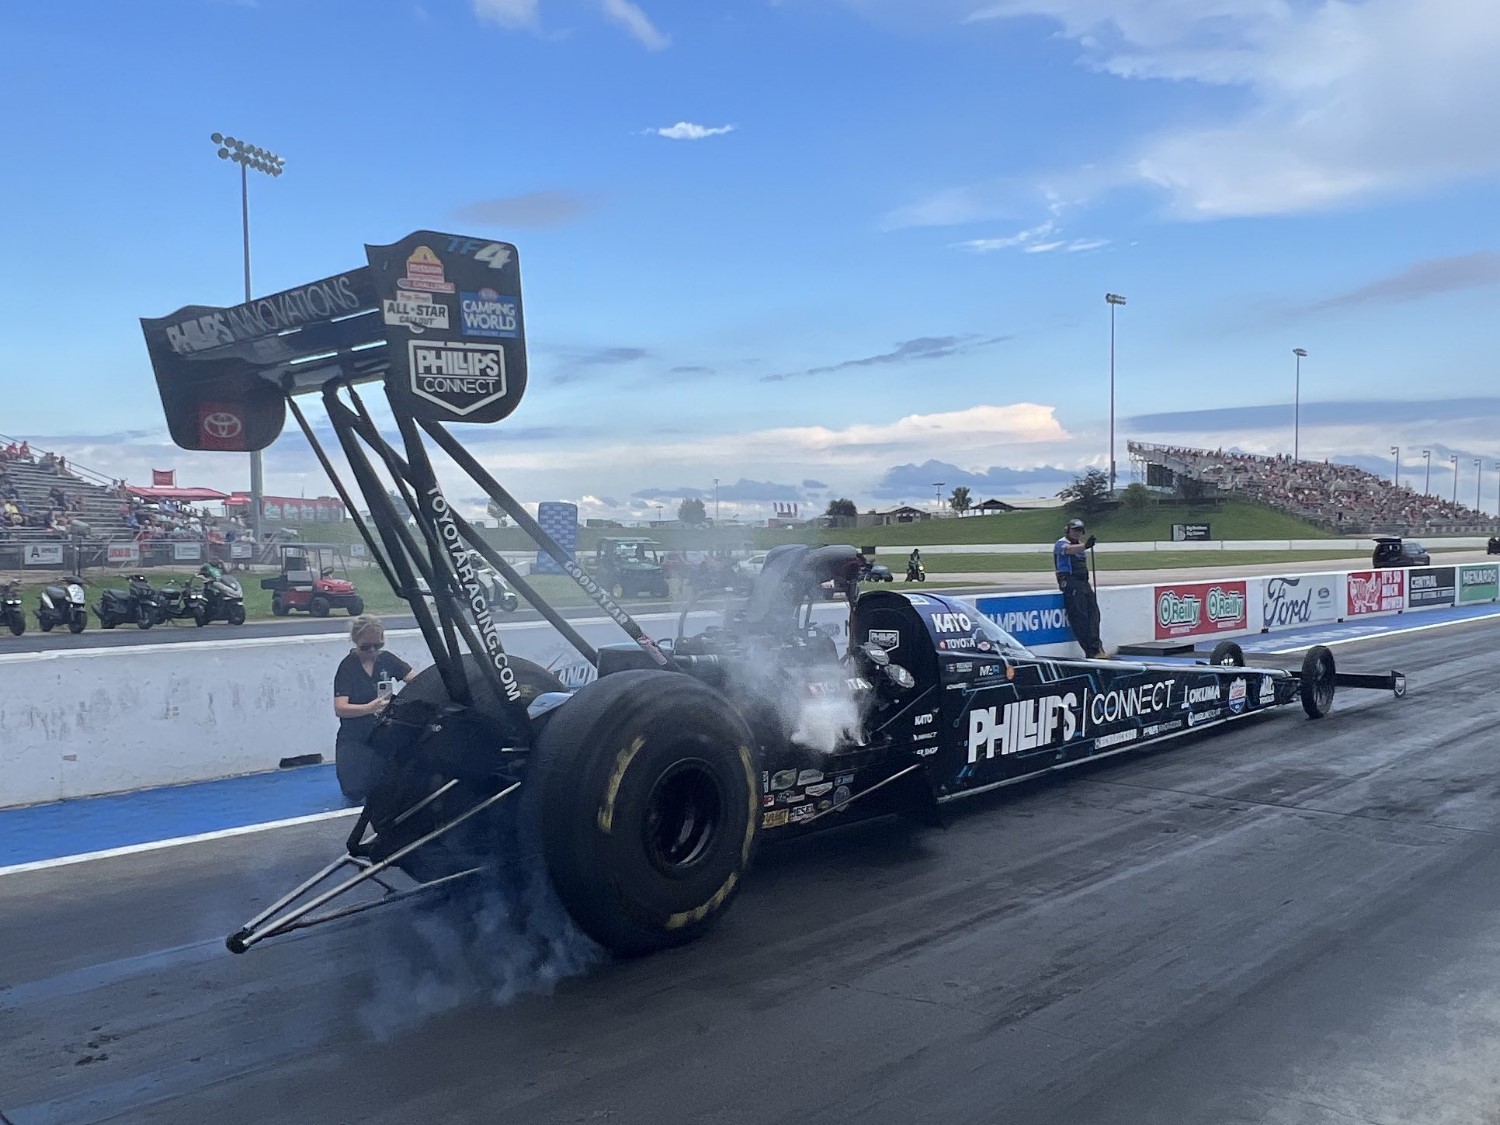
column 813, row 248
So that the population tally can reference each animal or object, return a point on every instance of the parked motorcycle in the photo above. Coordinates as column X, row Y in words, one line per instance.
column 63, row 603
column 173, row 603
column 11, row 613
column 222, row 596
column 139, row 602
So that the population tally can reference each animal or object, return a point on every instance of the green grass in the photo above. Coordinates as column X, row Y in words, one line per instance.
column 942, row 565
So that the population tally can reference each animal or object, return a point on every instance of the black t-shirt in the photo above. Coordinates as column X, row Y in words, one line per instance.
column 352, row 680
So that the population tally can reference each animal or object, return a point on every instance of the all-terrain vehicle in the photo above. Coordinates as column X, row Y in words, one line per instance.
column 630, row 568
column 306, row 582
column 643, row 796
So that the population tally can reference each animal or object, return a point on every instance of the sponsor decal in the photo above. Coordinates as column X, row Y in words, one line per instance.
column 1027, row 724
column 768, row 801
column 322, row 300
column 925, row 751
column 888, row 639
column 783, row 779
column 1211, row 694
column 1127, row 703
column 1432, row 586
column 819, row 789
column 844, row 779
column 952, row 623
column 809, row 777
column 987, row 670
column 1301, row 600
column 457, row 376
column 487, row 313
column 416, row 311
column 1376, row 591
column 1478, row 584
column 1198, row 718
column 801, row 813
column 1267, row 691
column 925, row 720
column 961, row 666
column 765, row 781
column 841, row 795
column 789, row 797
column 1237, row 693
column 774, row 819
column 424, row 270
column 925, row 736
column 1120, row 736
column 221, row 425
column 1184, row 610
column 1033, row 619
column 959, row 644
column 1152, row 729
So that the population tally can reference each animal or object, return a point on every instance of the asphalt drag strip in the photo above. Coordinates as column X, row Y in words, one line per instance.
column 1286, row 921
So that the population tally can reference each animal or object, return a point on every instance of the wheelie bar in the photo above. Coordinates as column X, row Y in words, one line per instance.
column 1392, row 681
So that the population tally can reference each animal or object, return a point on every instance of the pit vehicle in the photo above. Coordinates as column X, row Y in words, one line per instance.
column 306, row 582
column 644, row 794
column 630, row 568
column 1394, row 551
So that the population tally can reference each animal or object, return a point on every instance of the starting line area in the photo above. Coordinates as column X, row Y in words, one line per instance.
column 72, row 831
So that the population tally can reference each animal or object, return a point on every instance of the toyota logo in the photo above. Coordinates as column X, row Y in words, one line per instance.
column 222, row 425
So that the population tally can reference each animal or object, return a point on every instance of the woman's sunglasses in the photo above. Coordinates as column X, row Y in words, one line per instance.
column 372, row 648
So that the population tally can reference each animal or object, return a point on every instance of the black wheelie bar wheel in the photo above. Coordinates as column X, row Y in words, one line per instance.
column 1317, row 681
column 1227, row 654
column 646, row 802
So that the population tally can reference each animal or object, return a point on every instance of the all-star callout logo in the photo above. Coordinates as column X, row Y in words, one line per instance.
column 424, row 271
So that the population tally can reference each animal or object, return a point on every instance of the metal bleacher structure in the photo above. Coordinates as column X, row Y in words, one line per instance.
column 1340, row 498
column 34, row 482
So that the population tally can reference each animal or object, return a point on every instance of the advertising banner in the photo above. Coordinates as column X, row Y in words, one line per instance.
column 187, row 552
column 1299, row 599
column 1430, row 586
column 241, row 551
column 1195, row 609
column 43, row 554
column 357, row 550
column 123, row 553
column 1478, row 583
column 1191, row 533
column 1375, row 591
column 559, row 520
column 1033, row 619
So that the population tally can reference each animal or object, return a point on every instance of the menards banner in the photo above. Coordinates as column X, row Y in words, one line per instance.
column 1200, row 609
column 1478, row 583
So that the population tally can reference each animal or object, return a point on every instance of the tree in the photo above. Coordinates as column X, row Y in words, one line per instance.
column 1089, row 492
column 498, row 514
column 691, row 513
column 959, row 501
column 842, row 508
column 1137, row 497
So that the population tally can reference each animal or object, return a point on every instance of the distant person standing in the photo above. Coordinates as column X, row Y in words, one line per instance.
column 1070, row 561
column 362, row 688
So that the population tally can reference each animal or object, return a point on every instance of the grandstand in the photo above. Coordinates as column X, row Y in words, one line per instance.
column 42, row 486
column 1339, row 498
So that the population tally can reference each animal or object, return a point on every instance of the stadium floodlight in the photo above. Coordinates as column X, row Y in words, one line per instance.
column 1478, row 486
column 250, row 158
column 1112, row 299
column 1427, row 480
column 937, row 496
column 1454, row 460
column 1396, row 453
column 1301, row 354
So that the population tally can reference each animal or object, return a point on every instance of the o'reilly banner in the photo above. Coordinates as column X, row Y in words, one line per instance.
column 1191, row 533
column 1430, row 586
column 451, row 307
column 1299, row 599
column 1478, row 583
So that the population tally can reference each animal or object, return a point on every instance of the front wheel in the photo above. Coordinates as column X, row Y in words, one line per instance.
column 1227, row 654
column 279, row 608
column 78, row 623
column 236, row 614
column 647, row 799
column 318, row 607
column 200, row 615
column 44, row 623
column 145, row 617
column 356, row 606
column 17, row 623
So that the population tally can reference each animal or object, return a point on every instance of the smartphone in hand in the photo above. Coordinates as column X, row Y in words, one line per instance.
column 384, row 689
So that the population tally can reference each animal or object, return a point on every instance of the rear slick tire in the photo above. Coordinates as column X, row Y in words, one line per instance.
column 646, row 805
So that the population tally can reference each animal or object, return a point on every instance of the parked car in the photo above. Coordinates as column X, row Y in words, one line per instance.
column 753, row 565
column 1392, row 550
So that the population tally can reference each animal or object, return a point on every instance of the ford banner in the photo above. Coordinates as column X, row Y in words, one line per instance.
column 1291, row 600
column 1033, row 619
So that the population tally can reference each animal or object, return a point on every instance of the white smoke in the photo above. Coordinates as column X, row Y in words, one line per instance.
column 821, row 723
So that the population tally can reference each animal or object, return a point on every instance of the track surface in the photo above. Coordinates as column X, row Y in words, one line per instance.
column 1290, row 922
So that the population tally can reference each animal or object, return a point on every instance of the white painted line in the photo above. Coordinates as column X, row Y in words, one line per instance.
column 1380, row 636
column 156, row 845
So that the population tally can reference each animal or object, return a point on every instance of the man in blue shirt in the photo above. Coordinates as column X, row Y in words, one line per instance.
column 1070, row 561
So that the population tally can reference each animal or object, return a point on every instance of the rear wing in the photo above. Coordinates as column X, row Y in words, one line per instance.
column 436, row 316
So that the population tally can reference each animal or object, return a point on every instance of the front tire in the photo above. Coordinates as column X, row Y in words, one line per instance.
column 1227, row 654
column 355, row 607
column 236, row 614
column 17, row 624
column 318, row 607
column 44, row 623
column 144, row 617
column 647, row 806
column 78, row 623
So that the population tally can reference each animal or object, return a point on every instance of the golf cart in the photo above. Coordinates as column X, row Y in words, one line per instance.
column 306, row 581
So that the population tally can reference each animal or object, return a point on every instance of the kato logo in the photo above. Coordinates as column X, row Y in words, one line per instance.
column 460, row 377
column 952, row 623
column 1028, row 724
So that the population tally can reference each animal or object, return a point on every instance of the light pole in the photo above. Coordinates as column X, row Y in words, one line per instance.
column 716, row 499
column 1301, row 354
column 1396, row 453
column 1112, row 299
column 1478, row 486
column 937, row 496
column 1427, row 480
column 1454, row 460
column 248, row 156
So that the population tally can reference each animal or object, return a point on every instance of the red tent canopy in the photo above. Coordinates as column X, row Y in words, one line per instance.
column 162, row 492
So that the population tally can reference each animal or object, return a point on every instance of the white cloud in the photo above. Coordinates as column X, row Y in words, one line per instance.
column 1347, row 101
column 637, row 23
column 1033, row 240
column 687, row 131
column 509, row 13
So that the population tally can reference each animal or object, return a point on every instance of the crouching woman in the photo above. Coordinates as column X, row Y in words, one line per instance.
column 362, row 688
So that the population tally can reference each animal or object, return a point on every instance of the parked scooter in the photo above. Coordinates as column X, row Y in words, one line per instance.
column 63, row 603
column 916, row 571
column 223, row 597
column 173, row 603
column 11, row 613
column 139, row 602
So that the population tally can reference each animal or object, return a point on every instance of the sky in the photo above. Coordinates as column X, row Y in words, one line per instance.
column 808, row 248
